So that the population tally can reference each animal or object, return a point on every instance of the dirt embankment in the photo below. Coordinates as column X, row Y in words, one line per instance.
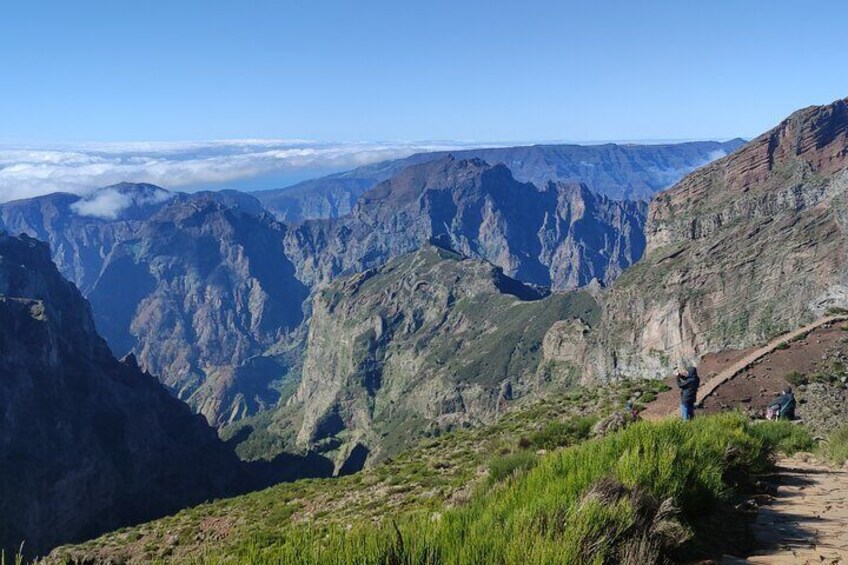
column 822, row 353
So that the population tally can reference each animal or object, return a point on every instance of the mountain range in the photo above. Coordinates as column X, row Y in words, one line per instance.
column 211, row 292
column 450, row 289
column 618, row 171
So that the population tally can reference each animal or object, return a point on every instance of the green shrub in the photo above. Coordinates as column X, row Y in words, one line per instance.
column 782, row 346
column 561, row 434
column 647, row 397
column 835, row 447
column 795, row 378
column 509, row 465
column 784, row 436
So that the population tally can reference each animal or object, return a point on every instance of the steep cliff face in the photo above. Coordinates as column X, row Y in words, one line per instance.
column 196, row 285
column 206, row 298
column 87, row 443
column 558, row 235
column 618, row 171
column 430, row 340
column 748, row 246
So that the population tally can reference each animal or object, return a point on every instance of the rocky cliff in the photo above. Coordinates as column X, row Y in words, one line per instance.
column 618, row 171
column 206, row 298
column 430, row 341
column 195, row 285
column 738, row 251
column 87, row 443
column 559, row 235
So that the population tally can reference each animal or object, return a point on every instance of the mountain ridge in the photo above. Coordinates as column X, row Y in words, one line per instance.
column 619, row 171
column 745, row 248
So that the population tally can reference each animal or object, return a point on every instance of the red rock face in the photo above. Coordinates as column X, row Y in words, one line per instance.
column 744, row 248
column 810, row 143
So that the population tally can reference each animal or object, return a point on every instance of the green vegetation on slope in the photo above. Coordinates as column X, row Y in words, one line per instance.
column 441, row 472
column 627, row 498
column 784, row 436
column 531, row 487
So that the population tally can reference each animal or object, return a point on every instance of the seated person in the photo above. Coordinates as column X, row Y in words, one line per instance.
column 783, row 408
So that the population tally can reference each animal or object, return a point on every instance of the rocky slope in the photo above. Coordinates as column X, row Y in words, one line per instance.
column 82, row 231
column 87, row 443
column 195, row 285
column 431, row 340
column 619, row 171
column 746, row 247
column 206, row 298
column 559, row 235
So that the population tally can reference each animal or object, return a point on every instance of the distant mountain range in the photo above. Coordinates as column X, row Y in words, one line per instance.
column 558, row 235
column 620, row 172
column 211, row 292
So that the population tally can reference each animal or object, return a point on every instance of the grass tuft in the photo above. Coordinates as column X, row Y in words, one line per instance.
column 506, row 466
column 784, row 437
column 835, row 447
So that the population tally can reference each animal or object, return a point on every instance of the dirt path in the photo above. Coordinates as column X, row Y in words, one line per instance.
column 807, row 522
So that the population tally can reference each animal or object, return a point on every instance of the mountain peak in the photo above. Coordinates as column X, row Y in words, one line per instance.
column 810, row 143
column 408, row 185
column 122, row 201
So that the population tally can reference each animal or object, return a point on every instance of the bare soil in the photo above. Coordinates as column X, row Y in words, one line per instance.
column 754, row 388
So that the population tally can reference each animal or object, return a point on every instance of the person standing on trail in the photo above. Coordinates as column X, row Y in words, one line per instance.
column 688, row 383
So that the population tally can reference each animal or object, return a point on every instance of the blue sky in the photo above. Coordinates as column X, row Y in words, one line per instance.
column 337, row 71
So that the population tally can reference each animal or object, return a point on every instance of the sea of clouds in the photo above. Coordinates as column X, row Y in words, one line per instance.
column 27, row 171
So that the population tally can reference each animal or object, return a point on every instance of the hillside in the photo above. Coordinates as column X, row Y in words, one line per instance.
column 88, row 443
column 432, row 340
column 747, row 247
column 443, row 471
column 618, row 171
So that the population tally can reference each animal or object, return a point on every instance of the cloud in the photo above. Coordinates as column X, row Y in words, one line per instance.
column 670, row 176
column 109, row 203
column 35, row 170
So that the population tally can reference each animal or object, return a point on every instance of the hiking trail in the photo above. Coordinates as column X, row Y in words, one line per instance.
column 807, row 520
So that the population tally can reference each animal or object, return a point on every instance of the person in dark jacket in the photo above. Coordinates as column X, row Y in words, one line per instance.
column 784, row 406
column 688, row 383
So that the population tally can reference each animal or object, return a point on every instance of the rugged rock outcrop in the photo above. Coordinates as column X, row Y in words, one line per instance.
column 429, row 341
column 619, row 171
column 195, row 285
column 744, row 248
column 559, row 235
column 87, row 443
column 83, row 231
column 204, row 295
